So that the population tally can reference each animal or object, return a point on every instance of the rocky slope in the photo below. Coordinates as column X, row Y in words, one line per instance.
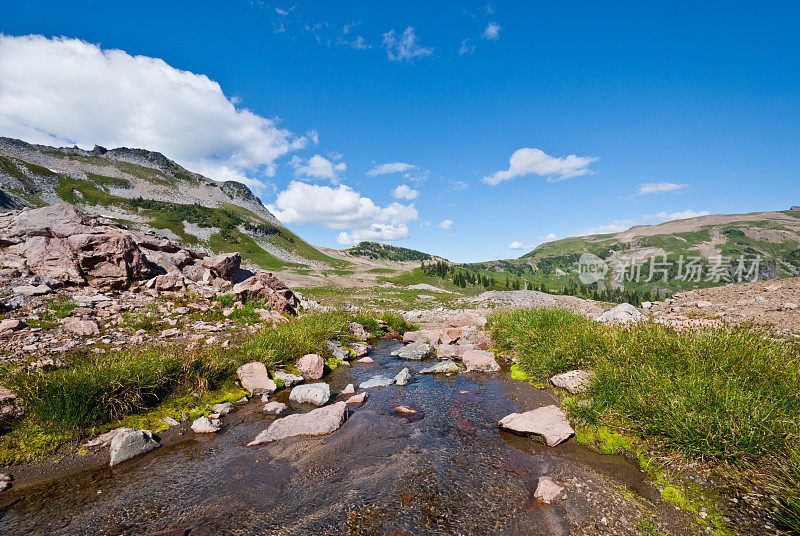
column 146, row 190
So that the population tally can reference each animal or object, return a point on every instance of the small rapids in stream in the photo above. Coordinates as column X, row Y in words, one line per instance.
column 452, row 471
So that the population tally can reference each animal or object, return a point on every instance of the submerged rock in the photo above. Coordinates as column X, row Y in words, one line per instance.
column 129, row 443
column 376, row 381
column 356, row 400
column 312, row 393
column 321, row 421
column 416, row 351
column 442, row 367
column 547, row 491
column 550, row 422
column 274, row 408
column 574, row 381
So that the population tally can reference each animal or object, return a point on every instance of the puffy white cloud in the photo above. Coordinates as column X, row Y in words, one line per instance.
column 403, row 191
column 64, row 91
column 317, row 167
column 492, row 31
column 406, row 47
column 390, row 167
column 446, row 224
column 342, row 208
column 658, row 188
column 537, row 162
column 466, row 47
column 616, row 226
column 668, row 216
column 517, row 244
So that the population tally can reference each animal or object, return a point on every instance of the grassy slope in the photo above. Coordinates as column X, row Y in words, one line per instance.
column 716, row 396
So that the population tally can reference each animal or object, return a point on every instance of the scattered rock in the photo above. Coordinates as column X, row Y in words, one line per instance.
column 365, row 361
column 129, row 443
column 5, row 481
column 204, row 425
column 356, row 400
column 268, row 288
column 402, row 377
column 480, row 361
column 104, row 440
column 466, row 318
column 574, row 381
column 623, row 313
column 169, row 420
column 550, row 422
column 405, row 410
column 171, row 332
column 376, row 381
column 222, row 409
column 80, row 327
column 32, row 290
column 11, row 407
column 321, row 421
column 223, row 265
column 442, row 367
column 311, row 366
column 547, row 491
column 338, row 351
column 11, row 324
column 349, row 390
column 453, row 351
column 416, row 351
column 360, row 349
column 312, row 393
column 274, row 408
column 289, row 380
column 254, row 378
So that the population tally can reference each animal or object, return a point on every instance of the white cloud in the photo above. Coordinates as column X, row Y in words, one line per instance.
column 466, row 47
column 406, row 47
column 317, row 167
column 535, row 161
column 616, row 226
column 658, row 188
column 517, row 244
column 390, row 167
column 456, row 185
column 492, row 31
column 446, row 224
column 68, row 92
column 403, row 191
column 342, row 208
column 313, row 135
column 668, row 216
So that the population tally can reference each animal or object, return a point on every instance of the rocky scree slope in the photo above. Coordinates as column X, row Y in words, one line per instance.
column 144, row 189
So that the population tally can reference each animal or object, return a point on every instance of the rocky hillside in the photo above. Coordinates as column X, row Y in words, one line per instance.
column 146, row 190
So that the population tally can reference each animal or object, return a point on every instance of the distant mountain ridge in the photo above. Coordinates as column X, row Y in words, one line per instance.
column 145, row 189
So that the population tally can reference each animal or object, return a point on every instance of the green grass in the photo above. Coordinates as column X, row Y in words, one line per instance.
column 246, row 314
column 717, row 396
column 382, row 271
column 148, row 321
column 226, row 300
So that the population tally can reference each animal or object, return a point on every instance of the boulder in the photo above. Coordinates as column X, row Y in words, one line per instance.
column 168, row 281
column 623, row 313
column 312, row 393
column 80, row 327
column 480, row 361
column 311, row 366
column 104, row 440
column 453, row 351
column 274, row 408
column 255, row 379
column 376, row 381
column 11, row 407
column 222, row 409
column 32, row 290
column 547, row 491
column 358, row 331
column 466, row 318
column 129, row 443
column 318, row 422
column 5, row 481
column 265, row 286
column 360, row 349
column 550, row 422
column 573, row 381
column 288, row 380
column 42, row 221
column 402, row 377
column 338, row 351
column 51, row 257
column 204, row 425
column 11, row 324
column 415, row 351
column 169, row 421
column 110, row 258
column 223, row 265
column 428, row 336
column 442, row 367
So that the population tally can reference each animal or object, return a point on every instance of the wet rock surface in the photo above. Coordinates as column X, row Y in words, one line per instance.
column 446, row 470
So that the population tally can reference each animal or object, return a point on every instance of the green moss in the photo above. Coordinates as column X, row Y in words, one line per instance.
column 28, row 442
column 649, row 527
column 518, row 374
column 332, row 363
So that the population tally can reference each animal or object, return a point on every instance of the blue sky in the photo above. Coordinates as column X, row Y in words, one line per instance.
column 668, row 109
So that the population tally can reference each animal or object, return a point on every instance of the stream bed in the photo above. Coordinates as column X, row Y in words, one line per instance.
column 447, row 470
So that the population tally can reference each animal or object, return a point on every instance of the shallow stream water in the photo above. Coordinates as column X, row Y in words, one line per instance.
column 452, row 471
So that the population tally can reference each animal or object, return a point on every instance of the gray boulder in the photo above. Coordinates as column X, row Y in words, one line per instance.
column 129, row 443
column 480, row 361
column 624, row 313
column 376, row 381
column 288, row 379
column 416, row 351
column 442, row 367
column 312, row 393
column 402, row 377
column 574, row 381
column 274, row 408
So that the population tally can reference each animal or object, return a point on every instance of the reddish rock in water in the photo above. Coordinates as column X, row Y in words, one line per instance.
column 547, row 491
column 321, row 421
column 550, row 422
